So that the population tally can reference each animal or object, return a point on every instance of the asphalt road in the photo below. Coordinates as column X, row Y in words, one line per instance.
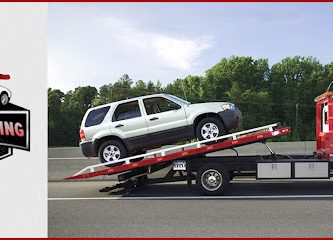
column 249, row 208
column 192, row 218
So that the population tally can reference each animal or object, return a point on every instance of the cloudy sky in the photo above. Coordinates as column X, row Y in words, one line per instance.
column 96, row 43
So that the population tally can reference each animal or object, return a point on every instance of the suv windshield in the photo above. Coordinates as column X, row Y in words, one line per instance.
column 179, row 100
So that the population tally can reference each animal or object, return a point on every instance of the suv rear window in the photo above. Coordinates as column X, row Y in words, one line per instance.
column 96, row 116
column 126, row 111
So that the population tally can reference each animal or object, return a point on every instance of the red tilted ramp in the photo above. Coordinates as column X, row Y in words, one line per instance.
column 237, row 139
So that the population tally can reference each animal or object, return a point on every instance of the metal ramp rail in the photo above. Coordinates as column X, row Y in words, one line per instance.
column 236, row 139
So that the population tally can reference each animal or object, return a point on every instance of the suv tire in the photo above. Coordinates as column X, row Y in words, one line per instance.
column 4, row 99
column 112, row 150
column 209, row 128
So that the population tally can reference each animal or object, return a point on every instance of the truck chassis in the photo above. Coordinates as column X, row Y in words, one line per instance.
column 212, row 174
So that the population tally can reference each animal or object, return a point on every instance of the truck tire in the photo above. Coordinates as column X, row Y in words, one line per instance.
column 212, row 179
column 209, row 128
column 112, row 150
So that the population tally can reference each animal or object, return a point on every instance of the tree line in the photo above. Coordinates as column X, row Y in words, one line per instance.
column 281, row 93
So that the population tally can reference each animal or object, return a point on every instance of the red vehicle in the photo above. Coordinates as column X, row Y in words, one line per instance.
column 212, row 174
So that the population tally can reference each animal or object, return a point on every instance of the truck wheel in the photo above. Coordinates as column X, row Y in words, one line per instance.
column 209, row 128
column 4, row 99
column 212, row 179
column 112, row 150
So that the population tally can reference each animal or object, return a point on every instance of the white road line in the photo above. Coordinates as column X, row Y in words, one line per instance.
column 71, row 158
column 197, row 197
column 74, row 199
column 228, row 197
column 61, row 148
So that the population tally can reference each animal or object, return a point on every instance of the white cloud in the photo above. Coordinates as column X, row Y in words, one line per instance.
column 99, row 50
column 176, row 52
column 180, row 53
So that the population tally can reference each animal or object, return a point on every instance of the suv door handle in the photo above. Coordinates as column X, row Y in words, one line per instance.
column 153, row 119
column 119, row 125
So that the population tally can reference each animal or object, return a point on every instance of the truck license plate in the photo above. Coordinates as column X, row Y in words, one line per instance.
column 179, row 165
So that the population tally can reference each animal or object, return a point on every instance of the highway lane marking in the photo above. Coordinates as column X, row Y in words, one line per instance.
column 61, row 148
column 72, row 158
column 197, row 197
column 93, row 198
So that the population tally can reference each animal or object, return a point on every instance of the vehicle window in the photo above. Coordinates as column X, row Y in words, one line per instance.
column 127, row 111
column 158, row 105
column 96, row 116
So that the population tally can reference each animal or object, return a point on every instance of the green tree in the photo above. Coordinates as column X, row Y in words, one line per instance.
column 193, row 88
column 139, row 89
column 104, row 95
column 75, row 105
column 283, row 93
column 247, row 72
column 255, row 106
column 55, row 98
column 122, row 88
column 294, row 83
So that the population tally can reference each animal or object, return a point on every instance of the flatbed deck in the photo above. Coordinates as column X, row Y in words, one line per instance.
column 261, row 134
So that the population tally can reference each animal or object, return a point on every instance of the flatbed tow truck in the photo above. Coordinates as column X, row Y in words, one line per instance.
column 212, row 174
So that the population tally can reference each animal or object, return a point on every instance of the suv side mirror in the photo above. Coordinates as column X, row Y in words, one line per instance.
column 173, row 106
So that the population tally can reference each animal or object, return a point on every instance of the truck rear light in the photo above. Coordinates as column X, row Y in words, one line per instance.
column 82, row 136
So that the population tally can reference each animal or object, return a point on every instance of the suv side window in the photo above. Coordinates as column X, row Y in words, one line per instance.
column 126, row 111
column 157, row 105
column 96, row 116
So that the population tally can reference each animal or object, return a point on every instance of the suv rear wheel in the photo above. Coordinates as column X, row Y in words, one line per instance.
column 112, row 150
column 209, row 128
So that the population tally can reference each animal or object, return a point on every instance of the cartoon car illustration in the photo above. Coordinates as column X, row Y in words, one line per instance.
column 5, row 93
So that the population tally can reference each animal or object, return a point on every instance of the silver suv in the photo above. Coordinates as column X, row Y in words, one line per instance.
column 120, row 129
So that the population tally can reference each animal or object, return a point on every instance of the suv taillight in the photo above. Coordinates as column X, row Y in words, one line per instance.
column 82, row 136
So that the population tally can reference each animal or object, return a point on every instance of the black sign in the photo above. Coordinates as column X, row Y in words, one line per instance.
column 14, row 129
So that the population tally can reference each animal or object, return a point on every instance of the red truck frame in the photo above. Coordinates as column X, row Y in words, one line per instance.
column 190, row 162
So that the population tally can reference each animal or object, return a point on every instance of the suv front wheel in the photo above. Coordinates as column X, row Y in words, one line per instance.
column 112, row 150
column 209, row 128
